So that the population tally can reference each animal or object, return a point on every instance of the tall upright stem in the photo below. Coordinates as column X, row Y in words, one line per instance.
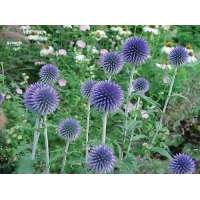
column 105, row 117
column 2, row 70
column 135, row 118
column 165, row 106
column 87, row 132
column 36, row 136
column 46, row 144
column 65, row 157
column 127, row 101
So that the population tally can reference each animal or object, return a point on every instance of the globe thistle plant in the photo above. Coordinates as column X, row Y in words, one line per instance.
column 111, row 63
column 182, row 164
column 69, row 130
column 101, row 159
column 86, row 89
column 106, row 96
column 135, row 51
column 177, row 57
column 41, row 99
column 140, row 85
column 49, row 74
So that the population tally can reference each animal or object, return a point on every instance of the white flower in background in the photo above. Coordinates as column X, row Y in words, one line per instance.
column 16, row 45
column 25, row 29
column 94, row 50
column 192, row 58
column 37, row 38
column 163, row 66
column 118, row 37
column 166, row 27
column 81, row 44
column 61, row 52
column 84, row 27
column 39, row 63
column 79, row 57
column 62, row 82
column 151, row 29
column 166, row 49
column 103, row 51
column 47, row 51
column 100, row 34
column 67, row 26
column 130, row 107
column 120, row 31
column 166, row 79
column 19, row 91
column 144, row 114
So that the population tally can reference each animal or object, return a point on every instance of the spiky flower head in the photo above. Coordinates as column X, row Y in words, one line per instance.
column 69, row 129
column 178, row 56
column 182, row 164
column 101, row 159
column 86, row 88
column 135, row 50
column 41, row 99
column 111, row 62
column 140, row 85
column 1, row 98
column 49, row 74
column 106, row 96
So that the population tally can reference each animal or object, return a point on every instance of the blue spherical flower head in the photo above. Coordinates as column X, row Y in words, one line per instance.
column 182, row 164
column 178, row 56
column 41, row 99
column 1, row 98
column 49, row 74
column 106, row 96
column 140, row 85
column 29, row 95
column 101, row 159
column 69, row 129
column 111, row 62
column 87, row 87
column 135, row 51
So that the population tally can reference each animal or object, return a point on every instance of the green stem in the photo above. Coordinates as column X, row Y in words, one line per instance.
column 87, row 132
column 165, row 106
column 105, row 117
column 127, row 102
column 36, row 136
column 135, row 118
column 2, row 69
column 46, row 144
column 65, row 157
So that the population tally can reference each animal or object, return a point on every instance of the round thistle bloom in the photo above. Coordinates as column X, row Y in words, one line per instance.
column 87, row 87
column 182, row 164
column 69, row 129
column 135, row 50
column 101, row 159
column 140, row 85
column 178, row 56
column 41, row 99
column 106, row 96
column 1, row 98
column 111, row 63
column 49, row 73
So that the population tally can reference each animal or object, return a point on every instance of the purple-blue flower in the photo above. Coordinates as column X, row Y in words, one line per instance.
column 41, row 99
column 111, row 62
column 49, row 74
column 135, row 51
column 182, row 164
column 69, row 129
column 86, row 88
column 101, row 159
column 106, row 96
column 178, row 56
column 1, row 98
column 140, row 85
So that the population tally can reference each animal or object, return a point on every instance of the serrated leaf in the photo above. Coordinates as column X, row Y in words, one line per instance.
column 161, row 151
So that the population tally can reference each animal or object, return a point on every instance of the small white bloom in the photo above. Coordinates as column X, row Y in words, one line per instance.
column 61, row 52
column 67, row 26
column 37, row 38
column 79, row 57
column 192, row 59
column 47, row 51
column 166, row 79
column 166, row 50
column 144, row 114
column 94, row 50
column 155, row 31
column 163, row 66
column 100, row 34
column 19, row 91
